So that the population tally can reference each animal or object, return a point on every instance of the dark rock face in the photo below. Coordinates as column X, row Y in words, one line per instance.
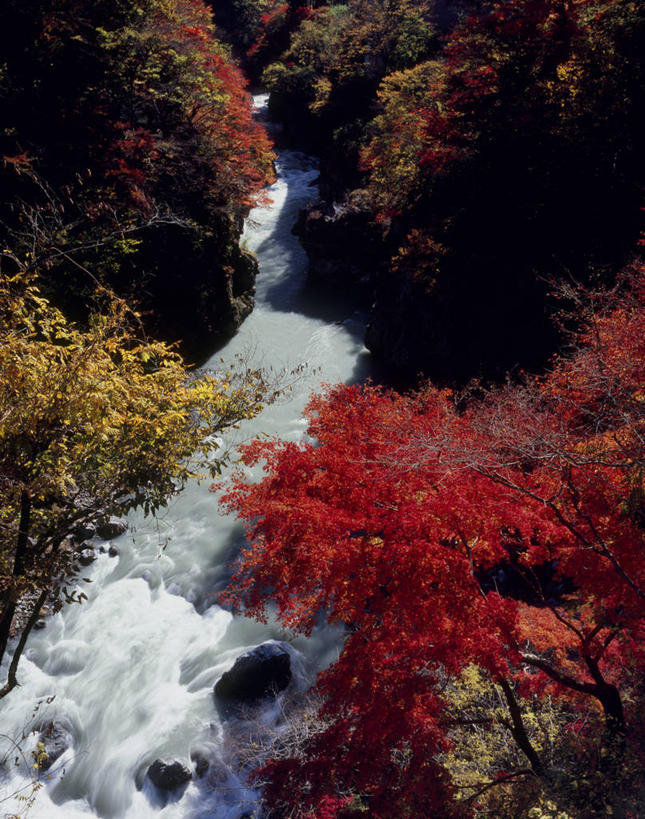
column 343, row 245
column 262, row 672
column 481, row 315
column 167, row 776
column 112, row 527
column 406, row 333
column 202, row 311
column 56, row 739
column 240, row 289
column 465, row 325
column 113, row 551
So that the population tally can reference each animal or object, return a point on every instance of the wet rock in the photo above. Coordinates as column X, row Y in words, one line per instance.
column 40, row 624
column 83, row 531
column 86, row 557
column 56, row 738
column 219, row 773
column 113, row 551
column 260, row 673
column 112, row 527
column 167, row 776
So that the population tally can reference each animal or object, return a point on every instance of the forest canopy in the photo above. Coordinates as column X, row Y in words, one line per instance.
column 471, row 153
column 133, row 121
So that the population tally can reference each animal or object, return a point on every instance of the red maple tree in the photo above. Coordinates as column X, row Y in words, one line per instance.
column 401, row 521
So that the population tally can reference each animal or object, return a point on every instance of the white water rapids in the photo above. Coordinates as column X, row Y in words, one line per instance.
column 131, row 671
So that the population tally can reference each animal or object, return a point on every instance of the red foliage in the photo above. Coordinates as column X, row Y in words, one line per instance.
column 217, row 107
column 273, row 15
column 128, row 159
column 390, row 521
column 275, row 27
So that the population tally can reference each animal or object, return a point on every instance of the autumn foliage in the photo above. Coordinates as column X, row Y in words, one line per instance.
column 487, row 146
column 94, row 421
column 499, row 531
column 133, row 116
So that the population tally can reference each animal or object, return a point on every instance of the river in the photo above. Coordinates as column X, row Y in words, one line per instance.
column 130, row 672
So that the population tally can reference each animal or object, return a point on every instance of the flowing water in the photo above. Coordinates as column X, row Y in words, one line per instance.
column 130, row 673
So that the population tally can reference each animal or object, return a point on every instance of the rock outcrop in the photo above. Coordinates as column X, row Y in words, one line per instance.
column 342, row 243
column 111, row 528
column 260, row 673
column 86, row 556
column 168, row 775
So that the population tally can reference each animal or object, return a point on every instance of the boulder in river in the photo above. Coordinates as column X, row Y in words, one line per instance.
column 86, row 557
column 262, row 672
column 112, row 527
column 55, row 738
column 167, row 776
column 83, row 531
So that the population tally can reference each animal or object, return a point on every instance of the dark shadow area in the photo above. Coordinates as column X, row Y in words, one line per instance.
column 538, row 586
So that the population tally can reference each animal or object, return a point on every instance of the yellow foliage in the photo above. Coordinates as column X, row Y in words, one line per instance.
column 487, row 768
column 95, row 420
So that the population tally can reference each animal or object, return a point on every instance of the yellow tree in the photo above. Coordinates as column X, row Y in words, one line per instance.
column 94, row 420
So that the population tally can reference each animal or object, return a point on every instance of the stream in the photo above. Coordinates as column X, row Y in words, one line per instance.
column 130, row 672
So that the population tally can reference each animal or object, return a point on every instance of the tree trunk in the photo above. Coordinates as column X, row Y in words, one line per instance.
column 519, row 732
column 22, row 544
column 12, row 680
column 613, row 708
